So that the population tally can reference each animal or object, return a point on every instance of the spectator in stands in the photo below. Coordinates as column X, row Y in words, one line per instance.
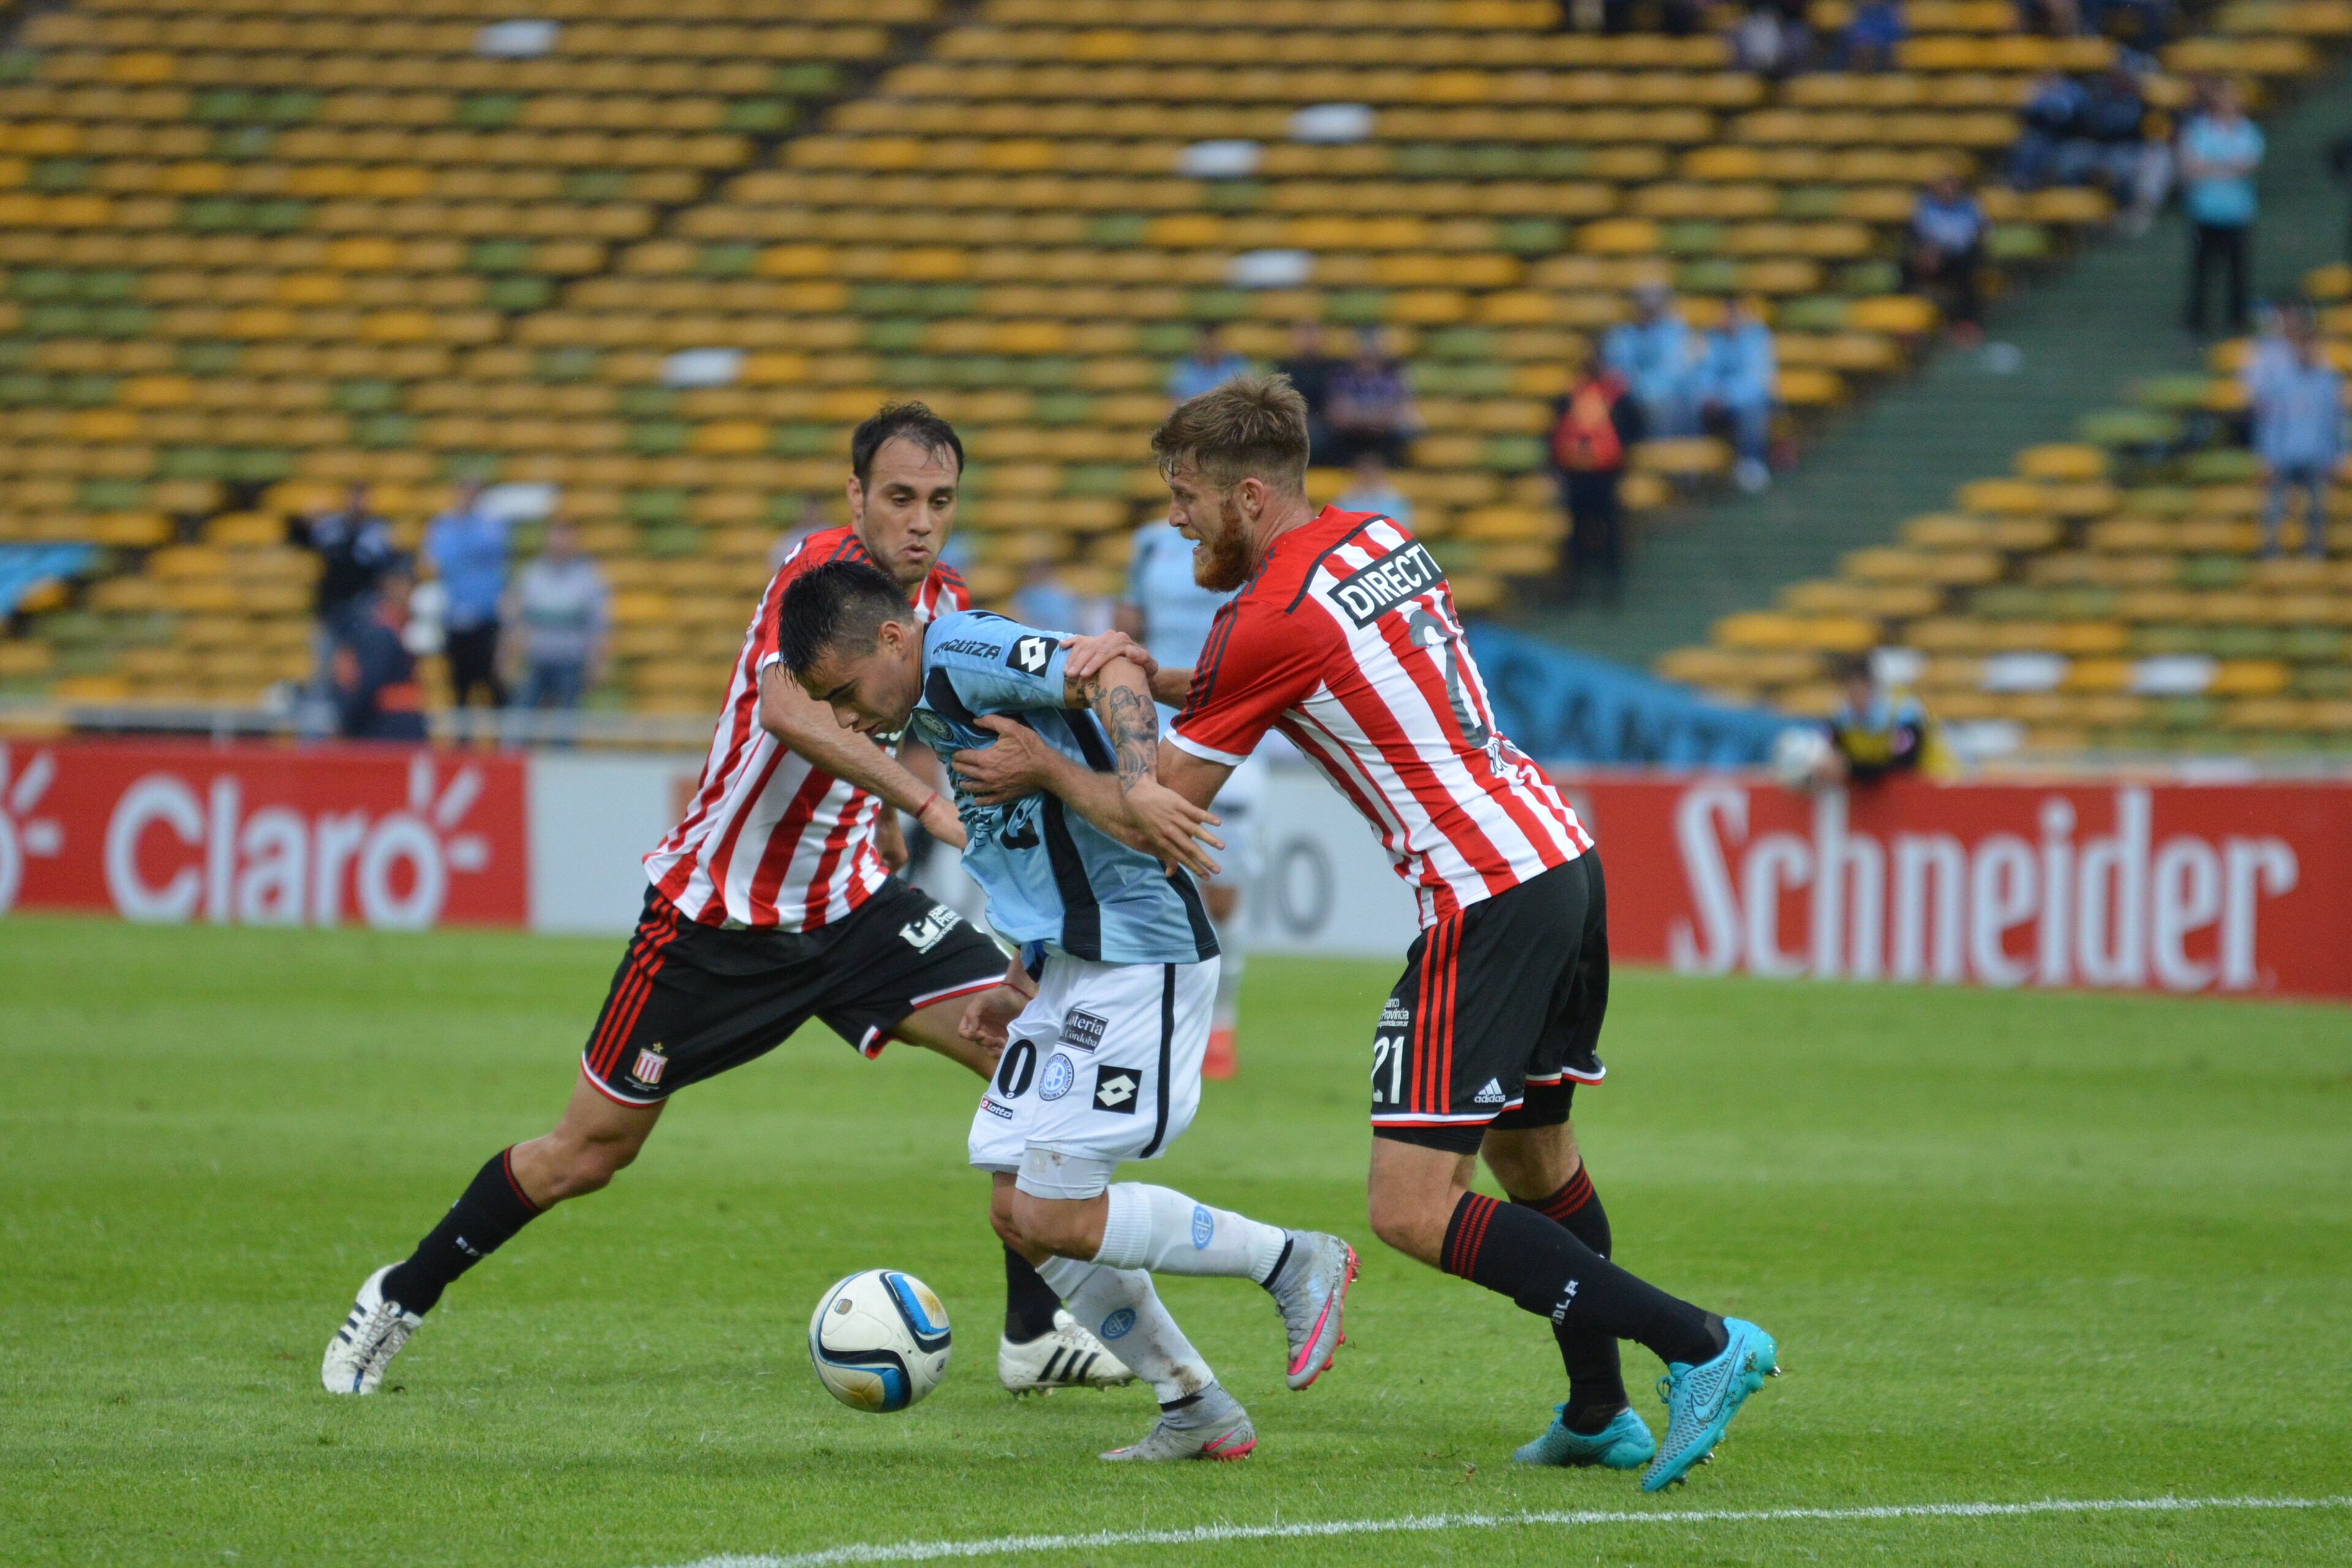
column 2298, row 415
column 1372, row 407
column 1772, row 39
column 1875, row 733
column 2050, row 146
column 562, row 609
column 1871, row 38
column 1656, row 358
column 1594, row 430
column 1947, row 246
column 354, row 547
column 467, row 548
column 1309, row 370
column 2220, row 151
column 2114, row 120
column 1736, row 389
column 1209, row 366
column 1370, row 489
column 377, row 697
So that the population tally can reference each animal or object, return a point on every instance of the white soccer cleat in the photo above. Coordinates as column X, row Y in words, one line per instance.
column 369, row 1339
column 1067, row 1357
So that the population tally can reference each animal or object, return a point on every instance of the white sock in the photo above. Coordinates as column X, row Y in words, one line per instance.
column 1147, row 1339
column 1162, row 1230
column 1231, row 961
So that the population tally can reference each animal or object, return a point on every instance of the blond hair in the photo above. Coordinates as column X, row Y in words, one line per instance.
column 1253, row 426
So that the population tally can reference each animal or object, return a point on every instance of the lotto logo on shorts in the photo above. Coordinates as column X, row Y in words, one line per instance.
column 649, row 1064
column 1116, row 1089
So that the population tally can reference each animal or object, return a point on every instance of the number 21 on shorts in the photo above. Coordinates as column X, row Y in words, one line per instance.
column 1388, row 1072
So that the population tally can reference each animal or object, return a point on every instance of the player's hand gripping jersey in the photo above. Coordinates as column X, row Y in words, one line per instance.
column 1050, row 875
column 770, row 840
column 1347, row 641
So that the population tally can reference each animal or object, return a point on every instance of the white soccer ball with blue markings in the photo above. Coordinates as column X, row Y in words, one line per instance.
column 879, row 1341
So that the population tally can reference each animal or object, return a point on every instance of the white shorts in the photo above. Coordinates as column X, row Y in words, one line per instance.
column 1103, row 1065
column 1241, row 805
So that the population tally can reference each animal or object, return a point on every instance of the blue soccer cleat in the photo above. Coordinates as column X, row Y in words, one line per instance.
column 1624, row 1444
column 1701, row 1400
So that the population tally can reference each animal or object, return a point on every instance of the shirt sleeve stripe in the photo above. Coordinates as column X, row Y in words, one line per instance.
column 1206, row 753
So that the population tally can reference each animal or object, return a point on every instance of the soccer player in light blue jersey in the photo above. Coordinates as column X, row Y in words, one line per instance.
column 1169, row 613
column 1103, row 1018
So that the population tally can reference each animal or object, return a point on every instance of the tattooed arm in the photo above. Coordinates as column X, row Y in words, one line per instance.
column 1128, row 803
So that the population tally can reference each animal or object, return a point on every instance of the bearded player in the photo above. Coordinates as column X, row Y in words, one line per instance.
column 1343, row 636
column 769, row 904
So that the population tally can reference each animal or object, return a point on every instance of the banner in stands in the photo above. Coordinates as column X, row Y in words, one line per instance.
column 263, row 835
column 1570, row 707
column 2221, row 888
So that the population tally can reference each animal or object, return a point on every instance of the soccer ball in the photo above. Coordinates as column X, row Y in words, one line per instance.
column 879, row 1341
column 1799, row 754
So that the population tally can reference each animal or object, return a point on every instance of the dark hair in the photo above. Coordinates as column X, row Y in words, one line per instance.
column 913, row 421
column 1845, row 667
column 841, row 603
column 1253, row 426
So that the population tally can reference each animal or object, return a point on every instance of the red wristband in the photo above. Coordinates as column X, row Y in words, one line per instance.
column 925, row 805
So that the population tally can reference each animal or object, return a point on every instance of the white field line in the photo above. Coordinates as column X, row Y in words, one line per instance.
column 1204, row 1534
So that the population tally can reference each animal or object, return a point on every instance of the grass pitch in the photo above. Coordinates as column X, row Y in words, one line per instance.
column 2014, row 1246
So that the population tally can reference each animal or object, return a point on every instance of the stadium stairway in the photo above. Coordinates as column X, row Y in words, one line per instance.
column 2083, row 337
column 2099, row 587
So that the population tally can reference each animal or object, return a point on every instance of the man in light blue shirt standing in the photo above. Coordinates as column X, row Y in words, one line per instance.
column 2220, row 151
column 2298, row 406
column 468, row 547
column 1103, row 1020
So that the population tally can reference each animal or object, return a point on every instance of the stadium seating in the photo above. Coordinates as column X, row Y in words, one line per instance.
column 258, row 249
column 2109, row 595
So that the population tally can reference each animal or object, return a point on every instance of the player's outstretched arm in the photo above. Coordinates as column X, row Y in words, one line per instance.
column 1197, row 779
column 810, row 729
column 1088, row 655
column 1120, row 697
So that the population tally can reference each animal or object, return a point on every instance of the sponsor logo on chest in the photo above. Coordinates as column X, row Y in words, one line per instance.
column 1371, row 592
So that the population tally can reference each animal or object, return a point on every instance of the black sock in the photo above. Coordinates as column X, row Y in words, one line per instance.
column 1029, row 1302
column 1596, row 1382
column 1536, row 1262
column 491, row 1210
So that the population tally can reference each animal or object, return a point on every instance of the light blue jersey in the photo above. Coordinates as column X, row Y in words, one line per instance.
column 1050, row 875
column 1176, row 610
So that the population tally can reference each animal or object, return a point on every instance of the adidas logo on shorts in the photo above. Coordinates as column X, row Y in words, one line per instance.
column 1490, row 1095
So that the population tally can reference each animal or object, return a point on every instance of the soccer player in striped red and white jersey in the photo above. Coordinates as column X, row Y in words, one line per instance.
column 1343, row 636
column 771, row 903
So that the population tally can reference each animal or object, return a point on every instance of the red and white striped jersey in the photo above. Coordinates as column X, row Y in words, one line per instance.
column 770, row 840
column 1347, row 641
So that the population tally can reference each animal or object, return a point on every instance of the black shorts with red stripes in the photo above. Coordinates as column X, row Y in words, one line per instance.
column 1499, row 1013
column 690, row 1001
